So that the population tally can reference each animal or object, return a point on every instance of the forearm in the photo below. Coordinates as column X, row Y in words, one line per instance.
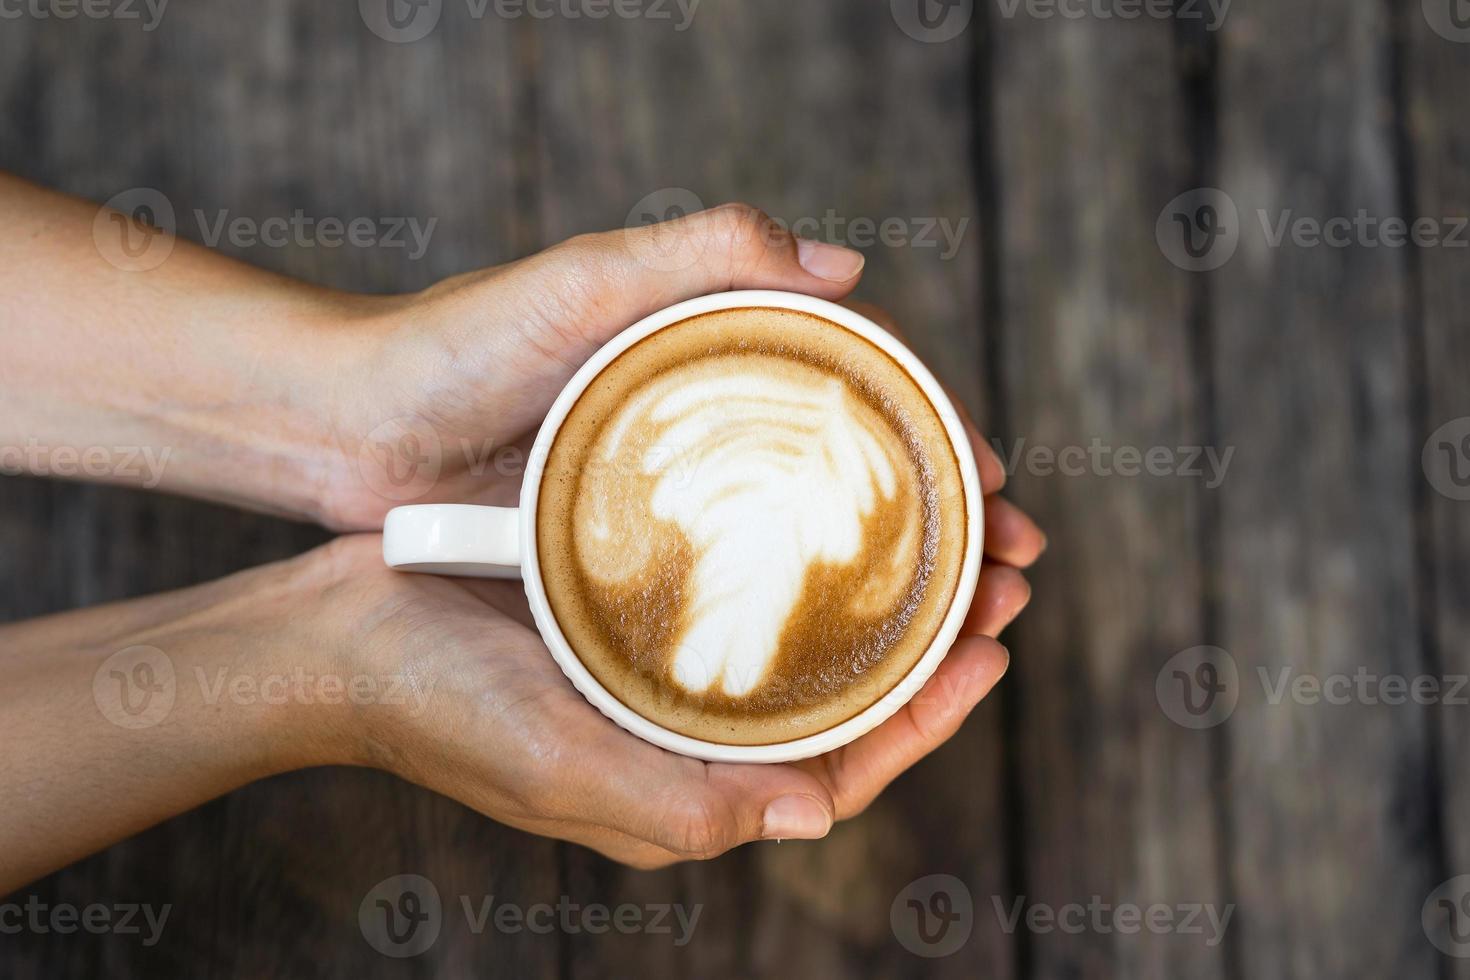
column 118, row 717
column 202, row 375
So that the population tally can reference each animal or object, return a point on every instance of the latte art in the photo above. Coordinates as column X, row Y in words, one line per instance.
column 751, row 525
column 767, row 467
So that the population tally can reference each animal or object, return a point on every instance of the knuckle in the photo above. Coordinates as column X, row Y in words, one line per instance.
column 586, row 247
column 852, row 807
column 737, row 213
column 741, row 224
column 744, row 237
column 700, row 829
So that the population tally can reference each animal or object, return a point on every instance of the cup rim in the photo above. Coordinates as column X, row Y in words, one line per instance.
column 874, row 714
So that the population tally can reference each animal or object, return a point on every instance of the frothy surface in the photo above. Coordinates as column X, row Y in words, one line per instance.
column 751, row 526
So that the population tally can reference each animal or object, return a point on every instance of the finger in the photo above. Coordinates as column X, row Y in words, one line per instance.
column 1010, row 536
column 858, row 772
column 992, row 471
column 683, row 806
column 605, row 282
column 999, row 598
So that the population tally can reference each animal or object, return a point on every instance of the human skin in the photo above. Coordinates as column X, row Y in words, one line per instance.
column 267, row 393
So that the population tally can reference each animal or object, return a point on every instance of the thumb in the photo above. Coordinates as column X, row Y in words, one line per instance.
column 613, row 279
column 737, row 804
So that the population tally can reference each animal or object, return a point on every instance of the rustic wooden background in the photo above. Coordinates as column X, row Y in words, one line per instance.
column 1059, row 321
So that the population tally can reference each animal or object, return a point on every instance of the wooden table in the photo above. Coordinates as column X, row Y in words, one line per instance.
column 1059, row 142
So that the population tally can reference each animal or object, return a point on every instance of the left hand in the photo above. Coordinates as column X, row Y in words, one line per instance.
column 443, row 381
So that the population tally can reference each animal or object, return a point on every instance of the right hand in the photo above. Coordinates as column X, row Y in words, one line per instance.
column 505, row 732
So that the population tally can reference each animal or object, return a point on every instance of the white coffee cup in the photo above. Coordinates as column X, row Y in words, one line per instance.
column 500, row 542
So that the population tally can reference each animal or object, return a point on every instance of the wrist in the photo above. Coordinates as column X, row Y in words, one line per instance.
column 264, row 676
column 345, row 695
column 303, row 435
column 329, row 688
column 354, row 478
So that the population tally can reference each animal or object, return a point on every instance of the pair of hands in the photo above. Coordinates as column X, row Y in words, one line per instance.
column 477, row 361
column 269, row 393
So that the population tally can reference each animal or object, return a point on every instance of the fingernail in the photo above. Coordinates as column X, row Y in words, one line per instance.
column 830, row 262
column 795, row 818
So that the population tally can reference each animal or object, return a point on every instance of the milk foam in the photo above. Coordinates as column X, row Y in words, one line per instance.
column 767, row 467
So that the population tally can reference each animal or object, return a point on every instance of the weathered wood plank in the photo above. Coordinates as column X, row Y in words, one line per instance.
column 1332, row 856
column 1096, row 349
column 1435, row 152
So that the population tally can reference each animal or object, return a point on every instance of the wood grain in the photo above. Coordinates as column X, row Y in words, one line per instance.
column 1116, row 803
column 1317, row 555
column 1434, row 152
column 1058, row 320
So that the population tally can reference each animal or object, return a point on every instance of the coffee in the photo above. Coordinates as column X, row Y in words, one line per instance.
column 751, row 526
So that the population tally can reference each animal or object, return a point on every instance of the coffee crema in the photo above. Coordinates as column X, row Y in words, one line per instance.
column 751, row 526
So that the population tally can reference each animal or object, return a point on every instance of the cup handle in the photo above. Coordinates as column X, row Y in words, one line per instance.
column 454, row 539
